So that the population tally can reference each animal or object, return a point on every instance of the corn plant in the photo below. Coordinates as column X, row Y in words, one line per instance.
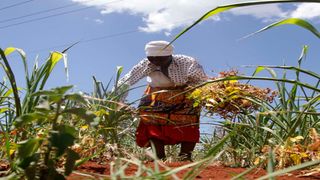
column 26, row 116
column 35, row 81
column 12, row 102
column 41, row 155
column 116, row 119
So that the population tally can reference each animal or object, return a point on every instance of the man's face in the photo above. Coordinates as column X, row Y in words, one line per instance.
column 160, row 60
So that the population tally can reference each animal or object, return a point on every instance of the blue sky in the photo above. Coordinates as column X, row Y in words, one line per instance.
column 113, row 33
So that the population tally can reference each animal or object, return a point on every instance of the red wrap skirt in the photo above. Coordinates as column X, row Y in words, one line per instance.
column 166, row 114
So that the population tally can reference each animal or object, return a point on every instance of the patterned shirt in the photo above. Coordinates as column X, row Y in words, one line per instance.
column 183, row 70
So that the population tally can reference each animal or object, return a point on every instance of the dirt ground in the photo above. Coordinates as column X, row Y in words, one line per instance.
column 218, row 172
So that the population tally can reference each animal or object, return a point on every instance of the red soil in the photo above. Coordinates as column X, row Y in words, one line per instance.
column 211, row 172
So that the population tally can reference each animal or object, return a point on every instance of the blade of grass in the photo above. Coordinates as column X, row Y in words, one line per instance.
column 270, row 166
column 294, row 21
column 299, row 116
column 310, row 73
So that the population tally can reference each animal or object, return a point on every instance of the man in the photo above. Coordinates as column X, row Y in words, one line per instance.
column 167, row 116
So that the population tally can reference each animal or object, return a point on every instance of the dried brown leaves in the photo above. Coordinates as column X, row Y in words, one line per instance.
column 230, row 98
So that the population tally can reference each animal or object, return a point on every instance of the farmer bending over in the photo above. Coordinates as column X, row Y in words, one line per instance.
column 167, row 116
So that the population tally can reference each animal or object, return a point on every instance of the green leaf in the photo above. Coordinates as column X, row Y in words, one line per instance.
column 261, row 68
column 75, row 97
column 54, row 95
column 25, row 163
column 258, row 69
column 28, row 118
column 89, row 116
column 52, row 92
column 303, row 54
column 271, row 164
column 67, row 129
column 54, row 58
column 70, row 162
column 29, row 147
column 61, row 141
column 63, row 138
column 43, row 93
column 7, row 94
column 9, row 73
column 220, row 9
column 10, row 50
column 295, row 21
column 119, row 70
column 271, row 71
column 63, row 89
column 2, row 110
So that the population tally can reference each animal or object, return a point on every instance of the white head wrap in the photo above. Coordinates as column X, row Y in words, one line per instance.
column 158, row 48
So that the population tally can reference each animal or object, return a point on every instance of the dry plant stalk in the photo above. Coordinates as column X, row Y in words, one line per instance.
column 294, row 151
column 229, row 98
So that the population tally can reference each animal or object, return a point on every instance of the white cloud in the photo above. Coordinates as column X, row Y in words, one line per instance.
column 268, row 12
column 166, row 15
column 98, row 21
column 158, row 15
column 307, row 11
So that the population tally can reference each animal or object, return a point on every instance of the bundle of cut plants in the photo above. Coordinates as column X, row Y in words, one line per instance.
column 229, row 98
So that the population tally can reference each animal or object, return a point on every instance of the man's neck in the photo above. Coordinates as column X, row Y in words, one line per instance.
column 167, row 64
column 164, row 67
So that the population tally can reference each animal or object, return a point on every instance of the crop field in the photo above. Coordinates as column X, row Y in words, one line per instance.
column 260, row 133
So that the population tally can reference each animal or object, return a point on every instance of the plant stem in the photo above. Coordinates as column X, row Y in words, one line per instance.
column 11, row 77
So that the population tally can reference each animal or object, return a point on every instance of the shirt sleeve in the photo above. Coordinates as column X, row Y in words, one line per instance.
column 196, row 74
column 138, row 72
